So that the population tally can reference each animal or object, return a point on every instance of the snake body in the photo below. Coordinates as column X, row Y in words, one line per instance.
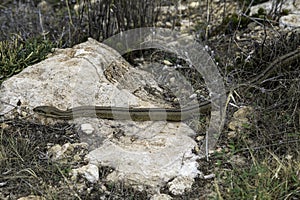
column 121, row 113
column 155, row 114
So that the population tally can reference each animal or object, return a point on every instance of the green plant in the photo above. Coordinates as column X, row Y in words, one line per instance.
column 271, row 178
column 17, row 54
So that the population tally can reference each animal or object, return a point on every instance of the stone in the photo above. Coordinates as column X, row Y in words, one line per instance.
column 231, row 134
column 243, row 112
column 87, row 128
column 32, row 197
column 237, row 124
column 194, row 5
column 61, row 153
column 150, row 159
column 166, row 62
column 44, row 6
column 238, row 161
column 91, row 73
column 240, row 119
column 209, row 176
column 180, row 184
column 293, row 6
column 290, row 21
column 161, row 197
column 90, row 172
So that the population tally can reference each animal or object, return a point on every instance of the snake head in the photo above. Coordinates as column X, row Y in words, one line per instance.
column 50, row 111
column 43, row 110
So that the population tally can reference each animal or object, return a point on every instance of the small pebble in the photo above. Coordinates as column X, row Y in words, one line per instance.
column 87, row 128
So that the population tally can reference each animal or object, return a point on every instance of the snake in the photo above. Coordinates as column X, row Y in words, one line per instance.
column 121, row 113
column 155, row 114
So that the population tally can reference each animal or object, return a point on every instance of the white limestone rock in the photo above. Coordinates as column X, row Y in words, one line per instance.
column 293, row 6
column 32, row 197
column 87, row 128
column 290, row 21
column 149, row 160
column 142, row 153
column 180, row 184
column 90, row 172
column 161, row 197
